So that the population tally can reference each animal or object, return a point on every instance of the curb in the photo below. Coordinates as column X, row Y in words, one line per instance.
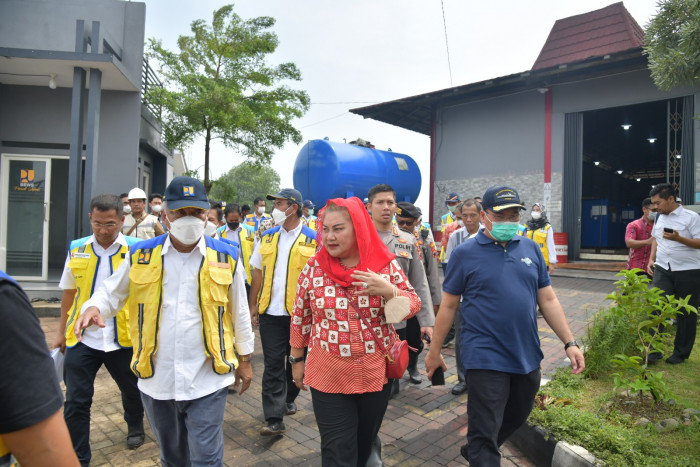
column 542, row 449
column 47, row 310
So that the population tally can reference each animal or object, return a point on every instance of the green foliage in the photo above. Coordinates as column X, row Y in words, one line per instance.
column 612, row 444
column 645, row 311
column 673, row 44
column 613, row 330
column 244, row 182
column 219, row 85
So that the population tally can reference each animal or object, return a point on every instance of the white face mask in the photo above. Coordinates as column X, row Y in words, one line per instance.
column 261, row 210
column 127, row 209
column 279, row 216
column 156, row 208
column 209, row 229
column 188, row 229
column 461, row 223
column 536, row 215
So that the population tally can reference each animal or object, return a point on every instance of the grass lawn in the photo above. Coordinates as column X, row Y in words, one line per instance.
column 574, row 412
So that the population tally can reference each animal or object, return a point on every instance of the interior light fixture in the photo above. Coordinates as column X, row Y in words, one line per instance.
column 626, row 126
column 619, row 172
column 596, row 163
column 651, row 140
column 678, row 156
column 639, row 179
column 52, row 81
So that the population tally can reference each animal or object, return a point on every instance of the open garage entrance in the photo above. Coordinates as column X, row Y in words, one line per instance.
column 626, row 150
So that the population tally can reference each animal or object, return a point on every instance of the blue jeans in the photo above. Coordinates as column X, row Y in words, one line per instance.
column 189, row 433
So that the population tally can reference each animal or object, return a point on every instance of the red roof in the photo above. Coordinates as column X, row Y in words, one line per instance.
column 597, row 33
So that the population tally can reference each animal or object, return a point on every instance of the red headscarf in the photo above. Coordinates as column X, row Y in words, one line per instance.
column 374, row 255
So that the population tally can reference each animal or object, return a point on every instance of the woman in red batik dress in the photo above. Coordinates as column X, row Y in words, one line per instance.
column 353, row 272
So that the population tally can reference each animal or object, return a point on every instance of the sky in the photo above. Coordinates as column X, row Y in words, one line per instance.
column 357, row 53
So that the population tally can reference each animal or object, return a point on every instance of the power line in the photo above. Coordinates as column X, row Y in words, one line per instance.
column 331, row 118
column 338, row 103
column 447, row 46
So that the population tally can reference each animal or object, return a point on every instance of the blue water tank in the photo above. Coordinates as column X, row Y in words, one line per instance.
column 325, row 170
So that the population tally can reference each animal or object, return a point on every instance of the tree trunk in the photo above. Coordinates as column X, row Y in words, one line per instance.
column 207, row 140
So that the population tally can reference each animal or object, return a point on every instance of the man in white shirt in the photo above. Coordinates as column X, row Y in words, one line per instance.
column 675, row 263
column 471, row 212
column 186, row 300
column 90, row 261
column 277, row 261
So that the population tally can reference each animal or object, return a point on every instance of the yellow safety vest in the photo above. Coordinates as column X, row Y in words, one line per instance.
column 83, row 264
column 245, row 242
column 539, row 236
column 5, row 455
column 304, row 247
column 145, row 300
column 310, row 223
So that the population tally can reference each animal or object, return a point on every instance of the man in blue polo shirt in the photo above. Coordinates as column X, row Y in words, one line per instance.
column 502, row 278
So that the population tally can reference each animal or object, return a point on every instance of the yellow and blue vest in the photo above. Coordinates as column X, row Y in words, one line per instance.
column 84, row 264
column 304, row 247
column 253, row 221
column 445, row 220
column 539, row 236
column 245, row 241
column 146, row 300
column 311, row 222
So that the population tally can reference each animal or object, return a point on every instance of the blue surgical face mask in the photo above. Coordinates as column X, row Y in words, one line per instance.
column 652, row 216
column 311, row 212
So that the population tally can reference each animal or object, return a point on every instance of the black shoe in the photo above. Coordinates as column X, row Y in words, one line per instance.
column 291, row 408
column 655, row 357
column 395, row 388
column 460, row 388
column 275, row 428
column 414, row 375
column 464, row 451
column 674, row 359
column 135, row 437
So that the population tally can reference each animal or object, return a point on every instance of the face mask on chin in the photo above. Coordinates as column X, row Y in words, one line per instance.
column 187, row 229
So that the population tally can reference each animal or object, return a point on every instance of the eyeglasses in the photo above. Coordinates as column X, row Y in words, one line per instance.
column 500, row 218
column 107, row 226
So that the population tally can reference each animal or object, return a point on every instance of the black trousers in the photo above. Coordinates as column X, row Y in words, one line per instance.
column 81, row 364
column 411, row 334
column 499, row 403
column 681, row 284
column 348, row 424
column 277, row 386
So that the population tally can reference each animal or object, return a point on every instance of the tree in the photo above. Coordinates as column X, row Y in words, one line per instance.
column 673, row 44
column 244, row 182
column 220, row 85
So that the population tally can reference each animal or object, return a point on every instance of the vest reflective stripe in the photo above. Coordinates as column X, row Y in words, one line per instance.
column 245, row 242
column 84, row 264
column 304, row 247
column 539, row 236
column 145, row 298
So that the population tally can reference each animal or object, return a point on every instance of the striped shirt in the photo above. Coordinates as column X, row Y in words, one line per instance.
column 639, row 229
column 343, row 355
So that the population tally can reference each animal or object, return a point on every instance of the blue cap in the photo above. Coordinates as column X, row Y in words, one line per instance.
column 453, row 196
column 289, row 194
column 308, row 204
column 186, row 192
column 498, row 198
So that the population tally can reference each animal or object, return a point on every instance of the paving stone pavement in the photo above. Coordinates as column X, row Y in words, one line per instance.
column 423, row 425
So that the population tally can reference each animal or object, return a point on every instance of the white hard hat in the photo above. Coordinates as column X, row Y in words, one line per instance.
column 137, row 193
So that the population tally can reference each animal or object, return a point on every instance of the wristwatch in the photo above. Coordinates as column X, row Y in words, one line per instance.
column 571, row 344
column 244, row 358
column 294, row 360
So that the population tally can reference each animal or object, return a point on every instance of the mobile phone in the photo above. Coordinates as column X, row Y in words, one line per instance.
column 438, row 378
column 667, row 230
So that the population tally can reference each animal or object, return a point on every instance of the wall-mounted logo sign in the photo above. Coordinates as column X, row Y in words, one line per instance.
column 27, row 181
